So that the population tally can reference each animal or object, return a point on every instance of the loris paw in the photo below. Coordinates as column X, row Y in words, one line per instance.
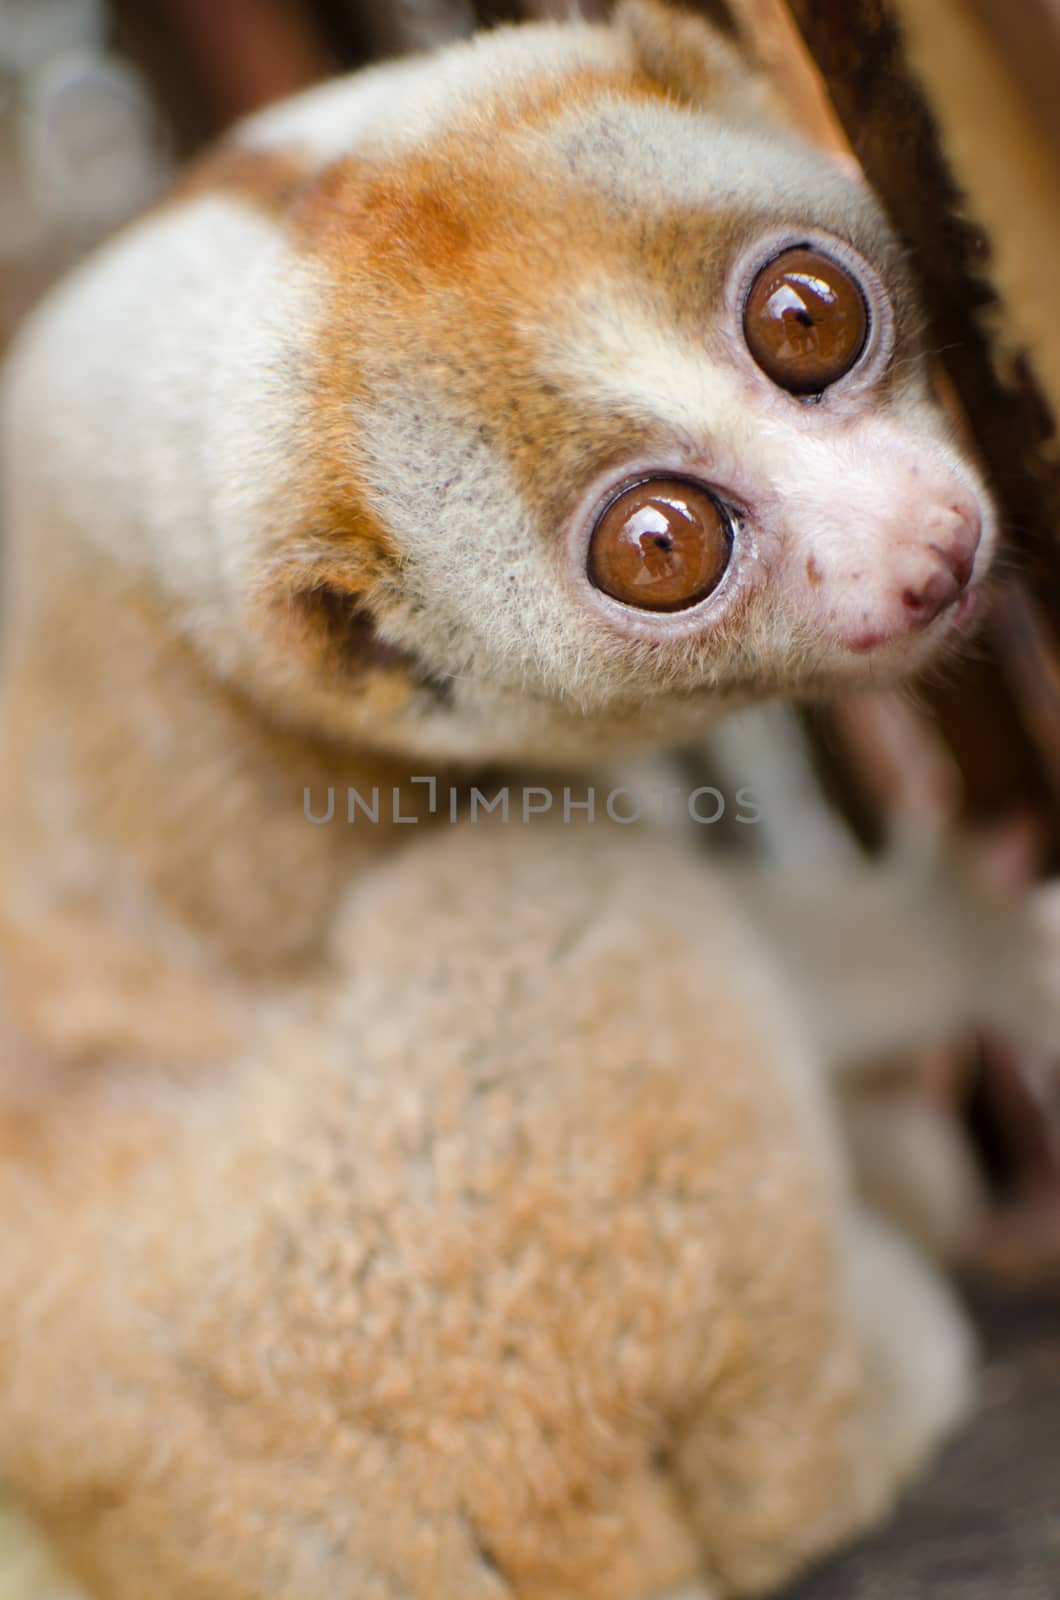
column 1006, row 933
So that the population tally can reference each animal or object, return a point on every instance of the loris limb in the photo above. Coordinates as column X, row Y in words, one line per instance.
column 908, row 952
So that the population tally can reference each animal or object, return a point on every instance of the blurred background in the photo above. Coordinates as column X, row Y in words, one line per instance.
column 951, row 108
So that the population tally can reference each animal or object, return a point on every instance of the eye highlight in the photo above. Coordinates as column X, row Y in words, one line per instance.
column 662, row 545
column 805, row 321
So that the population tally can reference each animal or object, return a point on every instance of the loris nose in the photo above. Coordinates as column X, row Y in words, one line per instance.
column 941, row 566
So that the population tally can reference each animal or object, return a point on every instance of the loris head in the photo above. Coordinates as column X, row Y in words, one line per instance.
column 561, row 401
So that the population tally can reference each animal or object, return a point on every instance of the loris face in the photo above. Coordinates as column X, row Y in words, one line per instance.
column 605, row 405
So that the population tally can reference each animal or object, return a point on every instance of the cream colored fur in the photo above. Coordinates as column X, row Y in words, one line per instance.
column 438, row 1211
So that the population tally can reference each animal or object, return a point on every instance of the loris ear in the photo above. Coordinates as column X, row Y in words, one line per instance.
column 320, row 612
column 700, row 61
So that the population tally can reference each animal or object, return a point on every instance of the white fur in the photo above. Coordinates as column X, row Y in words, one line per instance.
column 163, row 441
column 617, row 349
column 654, row 156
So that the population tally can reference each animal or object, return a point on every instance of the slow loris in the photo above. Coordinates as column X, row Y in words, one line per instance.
column 431, row 1208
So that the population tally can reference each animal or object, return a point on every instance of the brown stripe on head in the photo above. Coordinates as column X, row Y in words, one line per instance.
column 441, row 253
column 442, row 266
column 427, row 268
column 450, row 263
column 375, row 225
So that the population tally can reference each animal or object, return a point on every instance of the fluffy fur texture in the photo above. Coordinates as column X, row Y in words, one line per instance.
column 446, row 1211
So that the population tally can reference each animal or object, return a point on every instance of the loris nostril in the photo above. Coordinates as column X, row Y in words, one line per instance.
column 953, row 532
column 925, row 600
column 955, row 540
column 960, row 560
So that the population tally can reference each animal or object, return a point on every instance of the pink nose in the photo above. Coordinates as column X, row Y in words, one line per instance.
column 939, row 570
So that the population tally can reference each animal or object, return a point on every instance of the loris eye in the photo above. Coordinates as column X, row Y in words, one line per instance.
column 663, row 545
column 805, row 321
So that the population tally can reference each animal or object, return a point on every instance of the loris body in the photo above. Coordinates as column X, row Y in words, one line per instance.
column 451, row 1211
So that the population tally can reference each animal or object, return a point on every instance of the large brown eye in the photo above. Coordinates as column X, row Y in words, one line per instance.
column 662, row 546
column 805, row 321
